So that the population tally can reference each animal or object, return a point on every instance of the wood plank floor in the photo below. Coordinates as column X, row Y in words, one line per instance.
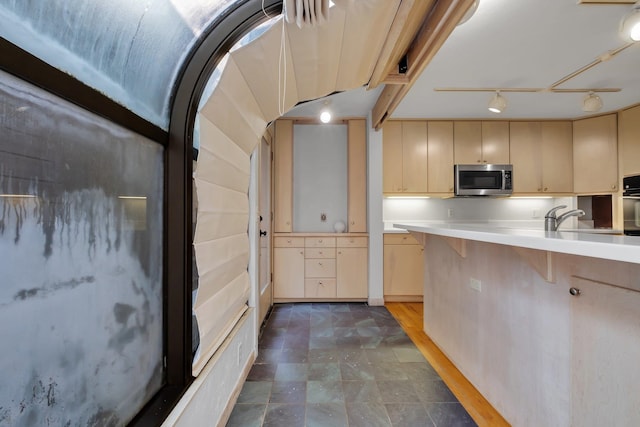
column 410, row 315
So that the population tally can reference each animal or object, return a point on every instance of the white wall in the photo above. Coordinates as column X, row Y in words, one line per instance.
column 374, row 213
column 319, row 177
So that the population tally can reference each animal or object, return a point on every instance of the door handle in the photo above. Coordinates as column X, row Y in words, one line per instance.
column 263, row 233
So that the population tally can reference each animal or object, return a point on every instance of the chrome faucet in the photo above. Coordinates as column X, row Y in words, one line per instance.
column 552, row 222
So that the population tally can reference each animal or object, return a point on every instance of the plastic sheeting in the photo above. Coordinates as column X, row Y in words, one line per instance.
column 129, row 50
column 254, row 86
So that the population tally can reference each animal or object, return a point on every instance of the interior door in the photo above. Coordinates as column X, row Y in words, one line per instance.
column 264, row 212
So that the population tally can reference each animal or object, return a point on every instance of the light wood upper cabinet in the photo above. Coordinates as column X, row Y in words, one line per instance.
column 467, row 137
column 440, row 156
column 357, row 176
column 283, row 177
column 541, row 154
column 392, row 157
column 629, row 141
column 414, row 157
column 404, row 150
column 481, row 142
column 495, row 143
column 557, row 157
column 595, row 155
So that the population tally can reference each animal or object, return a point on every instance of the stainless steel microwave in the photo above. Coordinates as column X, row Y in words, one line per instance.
column 483, row 180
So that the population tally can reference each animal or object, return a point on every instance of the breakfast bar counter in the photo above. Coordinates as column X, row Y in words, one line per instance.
column 546, row 325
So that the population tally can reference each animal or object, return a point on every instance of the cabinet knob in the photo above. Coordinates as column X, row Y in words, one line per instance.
column 288, row 222
column 404, row 189
column 614, row 186
column 288, row 240
column 353, row 222
column 320, row 252
column 320, row 283
column 320, row 263
column 339, row 252
column 301, row 252
column 539, row 188
column 484, row 161
column 351, row 240
column 545, row 188
column 479, row 161
column 574, row 292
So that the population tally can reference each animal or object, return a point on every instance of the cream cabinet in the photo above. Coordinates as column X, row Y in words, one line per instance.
column 288, row 267
column 629, row 141
column 320, row 267
column 357, row 176
column 595, row 155
column 283, row 177
column 404, row 150
column 352, row 267
column 403, row 268
column 542, row 157
column 481, row 142
column 440, row 156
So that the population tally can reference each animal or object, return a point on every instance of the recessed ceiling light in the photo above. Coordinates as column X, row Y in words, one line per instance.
column 498, row 103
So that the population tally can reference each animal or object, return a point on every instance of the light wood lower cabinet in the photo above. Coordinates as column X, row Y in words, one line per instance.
column 403, row 274
column 320, row 268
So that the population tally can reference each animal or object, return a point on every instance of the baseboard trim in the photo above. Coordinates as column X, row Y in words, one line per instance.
column 226, row 414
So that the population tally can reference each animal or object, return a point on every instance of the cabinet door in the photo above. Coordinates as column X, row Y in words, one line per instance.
column 557, row 157
column 629, row 140
column 605, row 321
column 403, row 270
column 352, row 276
column 283, row 179
column 524, row 141
column 495, row 142
column 440, row 157
column 467, row 142
column 357, row 171
column 288, row 272
column 595, row 155
column 414, row 157
column 392, row 157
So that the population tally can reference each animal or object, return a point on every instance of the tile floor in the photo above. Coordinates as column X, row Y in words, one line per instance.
column 343, row 364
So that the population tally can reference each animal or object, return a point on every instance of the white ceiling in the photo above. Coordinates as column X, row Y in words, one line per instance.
column 516, row 43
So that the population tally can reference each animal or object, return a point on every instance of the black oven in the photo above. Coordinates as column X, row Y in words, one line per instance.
column 631, row 205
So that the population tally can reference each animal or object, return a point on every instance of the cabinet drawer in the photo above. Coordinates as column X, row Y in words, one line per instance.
column 320, row 242
column 320, row 253
column 352, row 242
column 400, row 239
column 319, row 268
column 320, row 288
column 288, row 242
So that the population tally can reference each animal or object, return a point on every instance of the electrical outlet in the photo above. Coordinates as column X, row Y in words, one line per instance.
column 239, row 354
column 449, row 213
column 475, row 284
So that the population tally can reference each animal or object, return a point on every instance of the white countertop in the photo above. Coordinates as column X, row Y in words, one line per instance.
column 575, row 242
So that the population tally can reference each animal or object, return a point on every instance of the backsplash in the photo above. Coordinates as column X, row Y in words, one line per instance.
column 529, row 211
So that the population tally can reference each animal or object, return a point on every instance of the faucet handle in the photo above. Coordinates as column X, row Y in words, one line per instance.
column 552, row 212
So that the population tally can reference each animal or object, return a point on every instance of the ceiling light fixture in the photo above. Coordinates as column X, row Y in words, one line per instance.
column 591, row 103
column 498, row 103
column 630, row 24
column 325, row 113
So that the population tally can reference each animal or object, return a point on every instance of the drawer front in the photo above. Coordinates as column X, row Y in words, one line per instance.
column 319, row 268
column 288, row 242
column 320, row 253
column 319, row 242
column 400, row 239
column 353, row 242
column 320, row 288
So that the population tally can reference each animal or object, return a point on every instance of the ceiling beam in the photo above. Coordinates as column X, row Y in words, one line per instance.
column 440, row 22
column 404, row 28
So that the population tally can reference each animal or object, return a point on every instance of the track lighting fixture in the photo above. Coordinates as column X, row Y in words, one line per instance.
column 630, row 24
column 498, row 103
column 591, row 103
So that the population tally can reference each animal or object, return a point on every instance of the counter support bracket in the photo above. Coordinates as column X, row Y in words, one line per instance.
column 541, row 261
column 458, row 245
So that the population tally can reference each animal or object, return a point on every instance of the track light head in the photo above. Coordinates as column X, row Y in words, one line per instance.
column 591, row 103
column 498, row 103
column 630, row 24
